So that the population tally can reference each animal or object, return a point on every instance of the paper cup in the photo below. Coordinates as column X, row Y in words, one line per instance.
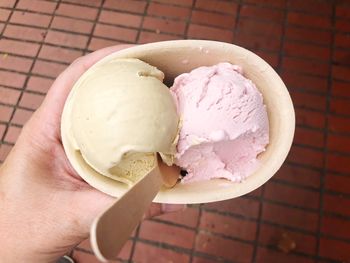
column 176, row 57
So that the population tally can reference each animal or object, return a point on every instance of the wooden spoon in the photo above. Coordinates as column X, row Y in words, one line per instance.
column 110, row 231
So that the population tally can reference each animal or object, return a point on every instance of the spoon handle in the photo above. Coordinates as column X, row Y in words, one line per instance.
column 110, row 231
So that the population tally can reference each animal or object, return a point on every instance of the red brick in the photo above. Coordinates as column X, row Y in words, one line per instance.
column 173, row 235
column 33, row 19
column 95, row 3
column 306, row 51
column 31, row 101
column 272, row 3
column 71, row 24
column 59, row 54
column 342, row 25
column 204, row 32
column 164, row 25
column 342, row 40
column 336, row 204
column 203, row 260
column 272, row 15
column 307, row 100
column 338, row 163
column 309, row 35
column 267, row 255
column 15, row 63
column 309, row 118
column 7, row 3
column 340, row 106
column 145, row 253
column 212, row 19
column 299, row 175
column 291, row 195
column 306, row 156
column 338, row 124
column 335, row 227
column 17, row 47
column 339, row 143
column 66, row 39
column 120, row 19
column 2, row 130
column 77, row 11
column 2, row 26
column 39, row 84
column 48, row 69
column 188, row 217
column 341, row 57
column 341, row 72
column 147, row 37
column 98, row 43
column 256, row 193
column 126, row 5
column 309, row 137
column 9, row 96
column 177, row 2
column 342, row 11
column 306, row 82
column 4, row 151
column 12, row 134
column 4, row 14
column 323, row 8
column 218, row 6
column 227, row 249
column 5, row 113
column 36, row 5
column 271, row 236
column 340, row 89
column 25, row 33
column 269, row 57
column 12, row 79
column 83, row 257
column 305, row 66
column 228, row 226
column 259, row 27
column 21, row 116
column 333, row 249
column 301, row 19
column 114, row 32
column 256, row 42
column 290, row 217
column 337, row 183
column 168, row 10
column 240, row 206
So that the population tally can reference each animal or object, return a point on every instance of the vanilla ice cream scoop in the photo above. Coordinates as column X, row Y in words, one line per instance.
column 121, row 115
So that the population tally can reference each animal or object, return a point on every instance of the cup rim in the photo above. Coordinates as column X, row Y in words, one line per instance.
column 228, row 189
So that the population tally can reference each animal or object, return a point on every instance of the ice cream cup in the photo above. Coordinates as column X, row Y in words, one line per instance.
column 179, row 56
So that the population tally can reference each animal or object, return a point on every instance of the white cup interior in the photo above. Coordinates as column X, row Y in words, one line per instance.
column 176, row 57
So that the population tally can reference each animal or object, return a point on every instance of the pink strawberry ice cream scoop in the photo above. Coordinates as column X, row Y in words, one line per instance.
column 224, row 123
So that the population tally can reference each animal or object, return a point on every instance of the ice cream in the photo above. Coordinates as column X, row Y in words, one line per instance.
column 223, row 123
column 121, row 114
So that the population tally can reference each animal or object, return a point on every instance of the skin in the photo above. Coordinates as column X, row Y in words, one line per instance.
column 46, row 209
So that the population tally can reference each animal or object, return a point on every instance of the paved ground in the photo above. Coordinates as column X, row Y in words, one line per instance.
column 306, row 41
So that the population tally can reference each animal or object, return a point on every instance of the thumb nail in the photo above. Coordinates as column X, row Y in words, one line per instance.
column 168, row 208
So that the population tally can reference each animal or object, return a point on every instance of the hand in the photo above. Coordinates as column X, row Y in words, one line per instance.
column 46, row 208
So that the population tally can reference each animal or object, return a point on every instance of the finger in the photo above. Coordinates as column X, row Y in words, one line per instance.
column 159, row 209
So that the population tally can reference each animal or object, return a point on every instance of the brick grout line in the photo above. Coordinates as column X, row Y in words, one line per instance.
column 135, row 240
column 93, row 27
column 185, row 35
column 13, row 107
column 29, row 72
column 326, row 135
column 140, row 29
column 196, row 229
